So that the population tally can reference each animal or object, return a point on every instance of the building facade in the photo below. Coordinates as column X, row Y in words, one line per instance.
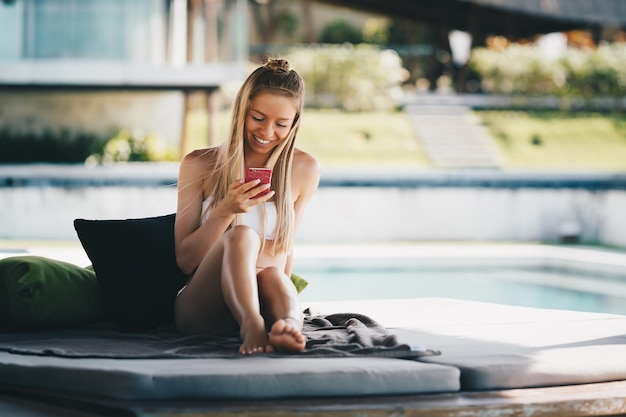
column 98, row 65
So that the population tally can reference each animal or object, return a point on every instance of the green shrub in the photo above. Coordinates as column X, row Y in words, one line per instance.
column 519, row 69
column 601, row 71
column 135, row 146
column 340, row 31
column 522, row 69
column 349, row 77
column 66, row 147
column 48, row 146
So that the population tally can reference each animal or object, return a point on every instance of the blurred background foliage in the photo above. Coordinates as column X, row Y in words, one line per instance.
column 48, row 146
column 349, row 77
column 133, row 146
column 77, row 147
column 356, row 76
column 525, row 70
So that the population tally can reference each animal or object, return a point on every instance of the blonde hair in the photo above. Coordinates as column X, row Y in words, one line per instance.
column 274, row 77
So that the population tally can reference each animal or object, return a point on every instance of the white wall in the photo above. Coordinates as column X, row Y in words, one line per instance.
column 613, row 229
column 524, row 214
column 49, row 212
column 349, row 214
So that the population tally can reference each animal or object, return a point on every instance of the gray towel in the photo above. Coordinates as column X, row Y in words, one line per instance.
column 335, row 335
column 352, row 334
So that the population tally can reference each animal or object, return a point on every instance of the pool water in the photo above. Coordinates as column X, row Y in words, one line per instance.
column 531, row 287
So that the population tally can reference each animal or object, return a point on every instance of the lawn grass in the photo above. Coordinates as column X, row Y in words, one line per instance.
column 558, row 140
column 339, row 139
column 526, row 139
column 360, row 139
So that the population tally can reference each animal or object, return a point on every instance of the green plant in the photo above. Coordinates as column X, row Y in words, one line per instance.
column 519, row 69
column 47, row 146
column 600, row 71
column 135, row 146
column 340, row 31
column 288, row 22
column 68, row 147
column 376, row 30
column 523, row 69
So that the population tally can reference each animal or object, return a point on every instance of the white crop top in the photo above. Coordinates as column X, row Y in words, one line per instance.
column 252, row 218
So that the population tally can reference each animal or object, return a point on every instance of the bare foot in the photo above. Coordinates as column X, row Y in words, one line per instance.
column 286, row 335
column 254, row 338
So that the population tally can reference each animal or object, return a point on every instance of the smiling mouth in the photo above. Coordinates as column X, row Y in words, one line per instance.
column 261, row 141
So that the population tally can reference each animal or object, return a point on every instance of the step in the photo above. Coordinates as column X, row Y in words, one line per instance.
column 451, row 136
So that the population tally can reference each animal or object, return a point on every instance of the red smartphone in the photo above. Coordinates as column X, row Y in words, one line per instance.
column 264, row 174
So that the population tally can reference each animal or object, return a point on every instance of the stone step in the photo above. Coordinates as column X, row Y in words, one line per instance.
column 452, row 137
column 437, row 110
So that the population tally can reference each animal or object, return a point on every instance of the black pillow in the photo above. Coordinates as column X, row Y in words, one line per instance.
column 136, row 268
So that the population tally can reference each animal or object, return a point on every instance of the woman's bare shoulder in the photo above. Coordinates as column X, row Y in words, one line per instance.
column 306, row 172
column 204, row 155
column 197, row 165
column 305, row 163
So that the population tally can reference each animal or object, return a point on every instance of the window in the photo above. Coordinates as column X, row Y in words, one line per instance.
column 83, row 29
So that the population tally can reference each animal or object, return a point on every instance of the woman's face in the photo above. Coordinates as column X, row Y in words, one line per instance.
column 268, row 122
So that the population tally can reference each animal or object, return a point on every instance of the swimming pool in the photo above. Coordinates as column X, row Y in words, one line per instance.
column 522, row 279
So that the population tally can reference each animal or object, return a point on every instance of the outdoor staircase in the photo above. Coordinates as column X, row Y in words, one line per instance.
column 452, row 137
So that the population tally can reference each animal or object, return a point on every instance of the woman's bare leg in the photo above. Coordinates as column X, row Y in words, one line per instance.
column 200, row 308
column 240, row 288
column 281, row 307
column 223, row 292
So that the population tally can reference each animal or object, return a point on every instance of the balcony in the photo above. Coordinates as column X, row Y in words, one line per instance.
column 112, row 44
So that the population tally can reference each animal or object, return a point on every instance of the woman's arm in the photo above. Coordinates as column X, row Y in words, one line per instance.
column 305, row 178
column 192, row 239
column 289, row 265
column 306, row 173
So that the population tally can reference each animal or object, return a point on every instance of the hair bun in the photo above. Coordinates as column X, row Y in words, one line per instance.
column 277, row 64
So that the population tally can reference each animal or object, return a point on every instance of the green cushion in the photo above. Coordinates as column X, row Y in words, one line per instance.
column 299, row 282
column 38, row 293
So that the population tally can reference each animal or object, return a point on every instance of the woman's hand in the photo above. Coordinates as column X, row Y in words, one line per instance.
column 241, row 196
